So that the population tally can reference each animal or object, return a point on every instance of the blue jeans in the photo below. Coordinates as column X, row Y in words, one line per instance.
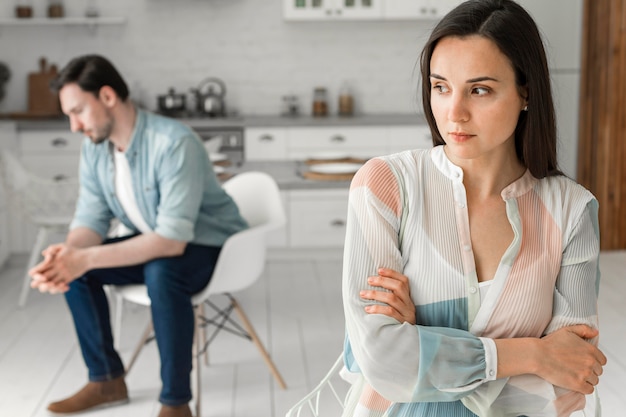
column 170, row 282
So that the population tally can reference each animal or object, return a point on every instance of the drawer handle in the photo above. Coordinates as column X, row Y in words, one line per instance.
column 59, row 142
column 338, row 223
column 266, row 138
column 59, row 177
column 338, row 138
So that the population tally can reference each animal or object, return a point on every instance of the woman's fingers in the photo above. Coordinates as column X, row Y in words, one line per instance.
column 394, row 295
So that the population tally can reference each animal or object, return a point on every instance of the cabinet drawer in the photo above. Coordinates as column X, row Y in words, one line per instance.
column 264, row 144
column 50, row 142
column 55, row 167
column 318, row 218
column 402, row 138
column 353, row 141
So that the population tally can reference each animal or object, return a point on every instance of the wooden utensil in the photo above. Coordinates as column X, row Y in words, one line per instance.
column 42, row 101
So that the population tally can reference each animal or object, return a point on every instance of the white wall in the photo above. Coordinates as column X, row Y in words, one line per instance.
column 261, row 57
column 244, row 42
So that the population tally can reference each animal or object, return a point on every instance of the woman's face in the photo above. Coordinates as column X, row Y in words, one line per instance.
column 474, row 98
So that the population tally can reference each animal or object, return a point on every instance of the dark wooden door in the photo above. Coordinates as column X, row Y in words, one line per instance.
column 602, row 127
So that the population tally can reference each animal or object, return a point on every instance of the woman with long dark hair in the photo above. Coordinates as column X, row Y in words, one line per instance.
column 471, row 269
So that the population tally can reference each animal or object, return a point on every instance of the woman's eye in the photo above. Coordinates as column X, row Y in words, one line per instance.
column 481, row 91
column 440, row 88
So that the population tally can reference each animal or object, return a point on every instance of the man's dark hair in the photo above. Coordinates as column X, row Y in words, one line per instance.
column 91, row 73
column 515, row 33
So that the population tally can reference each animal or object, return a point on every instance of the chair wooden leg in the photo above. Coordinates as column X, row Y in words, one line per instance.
column 144, row 338
column 202, row 330
column 266, row 357
column 40, row 241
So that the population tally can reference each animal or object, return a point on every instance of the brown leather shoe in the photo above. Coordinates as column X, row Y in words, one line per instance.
column 175, row 411
column 93, row 395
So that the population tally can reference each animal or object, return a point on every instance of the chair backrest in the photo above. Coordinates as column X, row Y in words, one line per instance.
column 39, row 197
column 242, row 259
column 328, row 398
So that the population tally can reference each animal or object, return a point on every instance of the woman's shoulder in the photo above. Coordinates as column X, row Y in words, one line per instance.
column 565, row 198
column 391, row 168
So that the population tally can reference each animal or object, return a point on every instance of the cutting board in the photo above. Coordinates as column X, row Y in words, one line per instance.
column 42, row 101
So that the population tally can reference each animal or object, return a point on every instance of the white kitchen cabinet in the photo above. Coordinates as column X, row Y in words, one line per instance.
column 51, row 153
column 358, row 142
column 332, row 9
column 265, row 144
column 317, row 218
column 418, row 9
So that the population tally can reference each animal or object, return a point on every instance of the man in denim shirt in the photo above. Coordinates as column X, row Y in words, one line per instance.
column 154, row 175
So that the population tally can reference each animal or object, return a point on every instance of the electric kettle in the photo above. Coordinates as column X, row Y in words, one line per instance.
column 210, row 97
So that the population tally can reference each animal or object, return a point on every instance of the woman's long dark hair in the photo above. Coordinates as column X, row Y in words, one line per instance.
column 511, row 28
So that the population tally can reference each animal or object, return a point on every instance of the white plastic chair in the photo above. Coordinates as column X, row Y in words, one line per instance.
column 240, row 264
column 325, row 399
column 48, row 203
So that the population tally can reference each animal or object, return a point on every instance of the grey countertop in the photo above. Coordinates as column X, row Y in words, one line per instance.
column 256, row 121
column 288, row 175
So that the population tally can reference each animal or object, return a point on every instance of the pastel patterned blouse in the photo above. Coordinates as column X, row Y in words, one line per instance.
column 408, row 212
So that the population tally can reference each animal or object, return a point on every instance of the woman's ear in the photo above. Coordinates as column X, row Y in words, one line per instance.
column 108, row 96
column 523, row 92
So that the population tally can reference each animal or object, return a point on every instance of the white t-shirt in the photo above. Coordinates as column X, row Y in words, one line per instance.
column 125, row 194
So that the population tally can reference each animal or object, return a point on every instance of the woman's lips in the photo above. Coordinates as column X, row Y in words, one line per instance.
column 460, row 136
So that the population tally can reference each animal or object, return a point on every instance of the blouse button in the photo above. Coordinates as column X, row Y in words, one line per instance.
column 467, row 248
column 472, row 290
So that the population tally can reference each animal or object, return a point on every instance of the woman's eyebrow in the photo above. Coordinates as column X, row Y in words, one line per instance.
column 471, row 80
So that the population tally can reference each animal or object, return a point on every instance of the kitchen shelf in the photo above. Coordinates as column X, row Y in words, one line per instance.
column 62, row 21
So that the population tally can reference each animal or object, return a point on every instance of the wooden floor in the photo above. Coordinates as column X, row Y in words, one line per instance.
column 296, row 309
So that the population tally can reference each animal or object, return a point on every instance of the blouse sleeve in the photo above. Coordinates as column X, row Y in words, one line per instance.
column 575, row 302
column 402, row 362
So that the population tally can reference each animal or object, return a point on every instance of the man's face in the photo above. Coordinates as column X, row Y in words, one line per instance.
column 88, row 114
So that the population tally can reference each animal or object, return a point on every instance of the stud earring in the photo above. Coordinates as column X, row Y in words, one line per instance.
column 525, row 108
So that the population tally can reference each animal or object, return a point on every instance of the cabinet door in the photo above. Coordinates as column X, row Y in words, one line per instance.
column 418, row 9
column 359, row 142
column 265, row 144
column 317, row 218
column 52, row 153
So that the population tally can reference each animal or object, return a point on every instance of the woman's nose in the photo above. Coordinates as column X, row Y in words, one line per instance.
column 458, row 111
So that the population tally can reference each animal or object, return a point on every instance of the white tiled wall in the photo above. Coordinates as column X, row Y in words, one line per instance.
column 177, row 43
column 245, row 42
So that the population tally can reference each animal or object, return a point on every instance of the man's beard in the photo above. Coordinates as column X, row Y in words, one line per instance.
column 102, row 133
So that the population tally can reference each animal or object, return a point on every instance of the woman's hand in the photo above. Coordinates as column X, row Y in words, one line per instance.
column 567, row 359
column 395, row 295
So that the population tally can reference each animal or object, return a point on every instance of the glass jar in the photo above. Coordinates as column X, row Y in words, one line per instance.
column 24, row 9
column 346, row 103
column 55, row 8
column 320, row 104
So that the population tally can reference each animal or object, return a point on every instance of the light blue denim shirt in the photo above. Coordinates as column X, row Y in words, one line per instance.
column 176, row 189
